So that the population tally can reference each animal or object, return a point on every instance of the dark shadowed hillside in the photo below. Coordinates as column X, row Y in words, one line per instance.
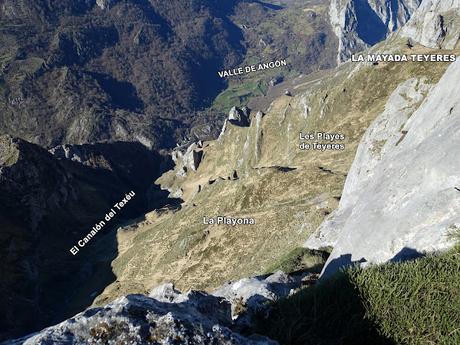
column 136, row 70
column 47, row 204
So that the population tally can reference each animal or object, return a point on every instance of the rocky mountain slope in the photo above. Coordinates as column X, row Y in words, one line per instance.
column 46, row 205
column 275, row 176
column 360, row 24
column 256, row 169
column 435, row 24
column 77, row 72
column 402, row 199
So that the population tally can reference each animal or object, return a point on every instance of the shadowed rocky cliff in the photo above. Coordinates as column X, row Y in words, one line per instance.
column 48, row 204
column 360, row 24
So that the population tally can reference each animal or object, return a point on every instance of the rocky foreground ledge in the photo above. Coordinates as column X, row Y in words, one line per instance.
column 168, row 316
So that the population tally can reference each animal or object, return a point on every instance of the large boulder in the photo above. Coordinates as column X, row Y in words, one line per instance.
column 251, row 294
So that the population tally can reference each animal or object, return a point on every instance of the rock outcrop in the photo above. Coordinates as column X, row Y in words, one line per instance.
column 239, row 116
column 401, row 198
column 249, row 295
column 435, row 24
column 360, row 24
column 136, row 319
column 190, row 159
column 167, row 316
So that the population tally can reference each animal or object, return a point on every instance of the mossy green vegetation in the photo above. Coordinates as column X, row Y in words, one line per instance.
column 301, row 259
column 414, row 302
column 330, row 313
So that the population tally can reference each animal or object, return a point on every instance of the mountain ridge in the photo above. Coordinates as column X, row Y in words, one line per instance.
column 363, row 127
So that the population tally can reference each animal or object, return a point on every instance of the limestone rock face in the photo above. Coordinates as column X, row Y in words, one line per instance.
column 188, row 160
column 435, row 24
column 380, row 138
column 197, row 318
column 359, row 24
column 239, row 116
column 192, row 157
column 400, row 197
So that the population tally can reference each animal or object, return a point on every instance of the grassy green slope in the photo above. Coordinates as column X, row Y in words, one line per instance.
column 415, row 302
